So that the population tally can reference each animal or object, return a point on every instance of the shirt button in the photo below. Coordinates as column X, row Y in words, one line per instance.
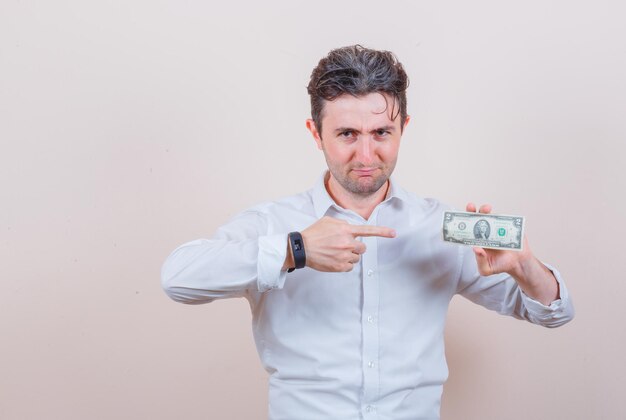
column 370, row 272
column 370, row 319
column 370, row 364
column 370, row 408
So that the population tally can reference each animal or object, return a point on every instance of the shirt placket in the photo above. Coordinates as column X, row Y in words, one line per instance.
column 369, row 325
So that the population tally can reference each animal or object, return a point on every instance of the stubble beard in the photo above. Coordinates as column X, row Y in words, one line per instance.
column 361, row 188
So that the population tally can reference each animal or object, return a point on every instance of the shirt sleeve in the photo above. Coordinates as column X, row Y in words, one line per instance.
column 502, row 294
column 238, row 258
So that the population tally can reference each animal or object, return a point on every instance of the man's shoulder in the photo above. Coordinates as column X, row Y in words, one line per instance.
column 289, row 212
column 418, row 203
column 300, row 202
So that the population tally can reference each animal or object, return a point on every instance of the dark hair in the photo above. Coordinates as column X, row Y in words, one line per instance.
column 357, row 71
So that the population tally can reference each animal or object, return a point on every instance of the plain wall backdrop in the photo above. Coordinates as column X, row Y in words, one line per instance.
column 130, row 127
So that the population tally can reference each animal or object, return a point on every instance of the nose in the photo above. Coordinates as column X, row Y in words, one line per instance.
column 365, row 150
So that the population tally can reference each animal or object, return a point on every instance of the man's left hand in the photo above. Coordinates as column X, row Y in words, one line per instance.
column 535, row 279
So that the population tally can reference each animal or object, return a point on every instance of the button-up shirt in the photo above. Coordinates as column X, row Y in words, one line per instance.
column 365, row 344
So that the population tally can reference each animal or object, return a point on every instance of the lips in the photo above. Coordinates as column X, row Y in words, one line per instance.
column 364, row 171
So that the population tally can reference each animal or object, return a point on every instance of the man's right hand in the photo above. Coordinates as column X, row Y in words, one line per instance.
column 331, row 244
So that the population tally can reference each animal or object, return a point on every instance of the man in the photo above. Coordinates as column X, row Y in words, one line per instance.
column 356, row 331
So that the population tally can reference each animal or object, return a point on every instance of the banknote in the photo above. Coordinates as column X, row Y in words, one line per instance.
column 484, row 230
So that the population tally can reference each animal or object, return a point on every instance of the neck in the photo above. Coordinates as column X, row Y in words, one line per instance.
column 363, row 205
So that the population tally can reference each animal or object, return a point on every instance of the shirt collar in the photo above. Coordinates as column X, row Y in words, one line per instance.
column 322, row 200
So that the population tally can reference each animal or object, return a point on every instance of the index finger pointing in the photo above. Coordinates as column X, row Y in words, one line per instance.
column 367, row 230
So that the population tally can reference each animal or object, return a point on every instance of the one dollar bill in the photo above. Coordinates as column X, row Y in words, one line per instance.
column 484, row 230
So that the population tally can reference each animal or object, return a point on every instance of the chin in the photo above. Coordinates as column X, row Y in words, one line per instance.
column 369, row 185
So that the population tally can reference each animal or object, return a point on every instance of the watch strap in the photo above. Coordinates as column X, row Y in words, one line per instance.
column 297, row 249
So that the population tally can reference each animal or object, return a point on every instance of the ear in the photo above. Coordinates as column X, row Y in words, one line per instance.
column 310, row 125
column 406, row 122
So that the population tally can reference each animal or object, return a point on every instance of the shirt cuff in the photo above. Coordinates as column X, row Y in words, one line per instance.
column 557, row 309
column 272, row 253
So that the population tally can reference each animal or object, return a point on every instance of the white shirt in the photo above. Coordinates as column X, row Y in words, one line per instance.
column 367, row 344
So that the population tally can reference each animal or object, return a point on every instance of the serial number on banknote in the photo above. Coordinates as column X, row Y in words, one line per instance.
column 484, row 230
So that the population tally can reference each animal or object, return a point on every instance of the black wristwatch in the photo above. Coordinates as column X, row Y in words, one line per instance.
column 297, row 249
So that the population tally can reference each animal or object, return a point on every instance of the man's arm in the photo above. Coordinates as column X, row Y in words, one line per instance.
column 331, row 244
column 242, row 256
column 239, row 257
column 534, row 278
column 514, row 283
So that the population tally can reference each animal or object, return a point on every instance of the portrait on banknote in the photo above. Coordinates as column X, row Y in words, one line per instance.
column 482, row 229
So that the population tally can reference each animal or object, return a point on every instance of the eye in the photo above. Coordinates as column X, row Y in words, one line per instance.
column 382, row 133
column 348, row 134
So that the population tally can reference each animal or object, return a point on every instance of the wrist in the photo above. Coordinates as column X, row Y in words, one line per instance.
column 289, row 263
column 536, row 280
column 524, row 268
column 296, row 243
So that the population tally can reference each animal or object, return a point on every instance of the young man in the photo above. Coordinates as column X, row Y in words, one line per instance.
column 356, row 330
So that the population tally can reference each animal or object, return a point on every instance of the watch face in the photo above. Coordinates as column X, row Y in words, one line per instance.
column 297, row 245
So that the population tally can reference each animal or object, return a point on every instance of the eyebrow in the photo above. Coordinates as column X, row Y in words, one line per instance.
column 385, row 128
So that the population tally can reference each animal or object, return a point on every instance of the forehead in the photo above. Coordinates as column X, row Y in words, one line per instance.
column 371, row 110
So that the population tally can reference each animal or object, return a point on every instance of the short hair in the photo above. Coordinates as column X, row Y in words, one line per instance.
column 357, row 71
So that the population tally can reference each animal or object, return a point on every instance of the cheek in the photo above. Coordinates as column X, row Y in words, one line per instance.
column 336, row 155
column 340, row 153
column 388, row 152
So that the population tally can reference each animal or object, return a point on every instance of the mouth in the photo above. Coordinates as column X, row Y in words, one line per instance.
column 364, row 171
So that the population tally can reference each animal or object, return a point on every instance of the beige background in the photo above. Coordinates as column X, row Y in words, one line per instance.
column 129, row 127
